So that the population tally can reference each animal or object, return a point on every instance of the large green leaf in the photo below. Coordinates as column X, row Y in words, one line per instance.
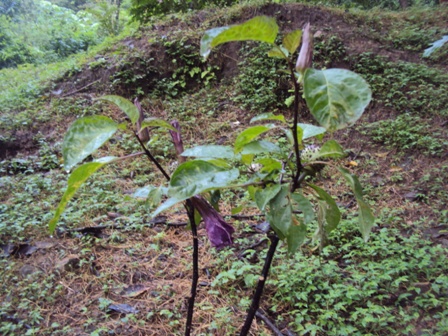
column 309, row 131
column 278, row 52
column 336, row 97
column 76, row 179
column 268, row 116
column 125, row 105
column 264, row 196
column 260, row 146
column 366, row 217
column 156, row 122
column 296, row 235
column 85, row 136
column 194, row 177
column 329, row 207
column 152, row 194
column 291, row 41
column 260, row 28
column 331, row 149
column 269, row 165
column 305, row 206
column 280, row 214
column 210, row 151
column 250, row 134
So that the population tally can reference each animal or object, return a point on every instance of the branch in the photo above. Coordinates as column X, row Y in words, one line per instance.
column 259, row 291
column 80, row 89
column 151, row 158
column 295, row 183
column 194, row 282
column 268, row 322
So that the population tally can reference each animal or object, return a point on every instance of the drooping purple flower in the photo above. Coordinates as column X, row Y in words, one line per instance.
column 219, row 232
column 305, row 59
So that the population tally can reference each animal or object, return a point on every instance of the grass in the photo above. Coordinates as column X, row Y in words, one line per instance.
column 395, row 282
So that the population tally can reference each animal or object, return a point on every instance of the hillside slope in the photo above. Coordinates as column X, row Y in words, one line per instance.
column 107, row 250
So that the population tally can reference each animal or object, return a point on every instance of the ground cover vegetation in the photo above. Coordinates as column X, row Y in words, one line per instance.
column 107, row 251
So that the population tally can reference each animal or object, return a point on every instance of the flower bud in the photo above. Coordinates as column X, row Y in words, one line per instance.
column 305, row 59
column 177, row 141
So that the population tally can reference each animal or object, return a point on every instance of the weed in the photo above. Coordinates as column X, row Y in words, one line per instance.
column 259, row 85
column 329, row 51
column 408, row 132
column 188, row 69
column 406, row 87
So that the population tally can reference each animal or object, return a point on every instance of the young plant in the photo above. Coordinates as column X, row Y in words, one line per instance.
column 280, row 187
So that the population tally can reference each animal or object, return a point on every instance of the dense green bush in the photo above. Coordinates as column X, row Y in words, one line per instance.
column 142, row 10
column 39, row 32
column 369, row 4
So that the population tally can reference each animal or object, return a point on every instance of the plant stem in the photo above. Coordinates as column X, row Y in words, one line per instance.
column 260, row 286
column 295, row 183
column 194, row 282
column 153, row 160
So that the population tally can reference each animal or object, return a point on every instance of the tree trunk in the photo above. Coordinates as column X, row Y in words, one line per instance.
column 117, row 18
column 404, row 4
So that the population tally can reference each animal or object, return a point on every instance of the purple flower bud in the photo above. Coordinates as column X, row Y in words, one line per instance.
column 142, row 134
column 305, row 59
column 219, row 232
column 177, row 141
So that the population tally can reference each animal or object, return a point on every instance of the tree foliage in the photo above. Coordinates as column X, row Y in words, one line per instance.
column 33, row 31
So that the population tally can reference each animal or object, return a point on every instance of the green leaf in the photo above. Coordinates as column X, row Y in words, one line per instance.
column 296, row 235
column 248, row 135
column 210, row 151
column 366, row 217
column 143, row 192
column 155, row 122
column 76, row 179
column 194, row 177
column 85, row 136
column 279, row 215
column 223, row 163
column 289, row 101
column 331, row 149
column 268, row 116
column 247, row 159
column 152, row 194
column 310, row 131
column 305, row 206
column 166, row 205
column 435, row 45
column 260, row 146
column 264, row 196
column 291, row 41
column 125, row 105
column 290, row 136
column 336, row 97
column 215, row 197
column 237, row 210
column 269, row 165
column 260, row 28
column 330, row 208
column 197, row 176
column 278, row 52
